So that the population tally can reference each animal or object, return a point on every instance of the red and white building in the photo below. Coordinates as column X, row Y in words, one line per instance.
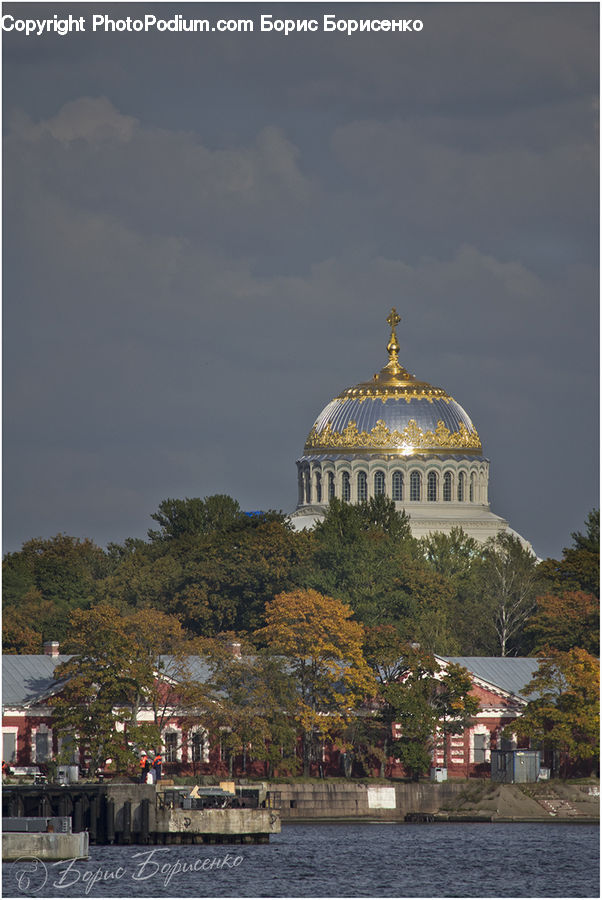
column 29, row 738
column 499, row 684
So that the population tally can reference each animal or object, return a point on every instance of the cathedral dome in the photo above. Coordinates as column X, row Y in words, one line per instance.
column 393, row 414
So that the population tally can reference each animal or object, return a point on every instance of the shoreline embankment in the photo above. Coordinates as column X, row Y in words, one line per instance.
column 478, row 801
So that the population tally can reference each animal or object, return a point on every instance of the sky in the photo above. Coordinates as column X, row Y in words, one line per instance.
column 204, row 234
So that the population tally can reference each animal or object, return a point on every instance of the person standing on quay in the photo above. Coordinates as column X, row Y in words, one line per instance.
column 144, row 766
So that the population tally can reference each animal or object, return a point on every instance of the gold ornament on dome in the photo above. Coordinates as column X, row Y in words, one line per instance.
column 411, row 439
column 361, row 393
column 393, row 382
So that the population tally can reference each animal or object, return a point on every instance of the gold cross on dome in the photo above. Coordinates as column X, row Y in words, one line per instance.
column 393, row 318
column 393, row 366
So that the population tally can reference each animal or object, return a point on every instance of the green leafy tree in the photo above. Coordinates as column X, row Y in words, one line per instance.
column 179, row 518
column 567, row 612
column 410, row 712
column 563, row 621
column 426, row 703
column 98, row 690
column 455, row 706
column 117, row 669
column 370, row 734
column 346, row 520
column 142, row 578
column 565, row 713
column 384, row 650
column 579, row 568
column 590, row 541
column 48, row 578
column 254, row 701
column 365, row 554
column 228, row 578
column 458, row 558
column 217, row 576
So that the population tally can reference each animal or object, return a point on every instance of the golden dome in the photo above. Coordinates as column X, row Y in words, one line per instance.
column 394, row 413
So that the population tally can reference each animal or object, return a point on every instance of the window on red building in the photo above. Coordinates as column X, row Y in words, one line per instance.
column 480, row 746
column 42, row 746
column 198, row 747
column 9, row 746
column 171, row 747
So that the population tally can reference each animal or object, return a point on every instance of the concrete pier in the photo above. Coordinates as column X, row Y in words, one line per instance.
column 225, row 823
column 131, row 813
column 47, row 847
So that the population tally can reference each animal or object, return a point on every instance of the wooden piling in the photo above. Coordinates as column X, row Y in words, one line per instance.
column 126, row 834
column 144, row 821
column 93, row 826
column 78, row 816
column 110, row 821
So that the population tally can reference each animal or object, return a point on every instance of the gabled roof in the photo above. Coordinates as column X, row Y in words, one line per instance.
column 510, row 673
column 195, row 667
column 26, row 679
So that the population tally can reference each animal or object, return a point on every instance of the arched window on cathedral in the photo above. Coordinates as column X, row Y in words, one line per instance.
column 330, row 485
column 318, row 488
column 415, row 486
column 473, row 482
column 398, row 485
column 307, row 487
column 362, row 486
column 379, row 483
column 431, row 487
column 447, row 486
column 346, row 487
column 461, row 486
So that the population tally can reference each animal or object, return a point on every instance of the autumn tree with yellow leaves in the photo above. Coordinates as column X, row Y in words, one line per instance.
column 323, row 649
column 565, row 713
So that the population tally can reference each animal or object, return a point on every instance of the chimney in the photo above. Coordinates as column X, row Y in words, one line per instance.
column 51, row 648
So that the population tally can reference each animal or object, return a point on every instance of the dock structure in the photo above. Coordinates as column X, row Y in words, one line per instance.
column 49, row 839
column 144, row 814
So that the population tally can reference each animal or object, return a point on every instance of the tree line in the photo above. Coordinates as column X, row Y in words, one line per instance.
column 215, row 568
column 337, row 630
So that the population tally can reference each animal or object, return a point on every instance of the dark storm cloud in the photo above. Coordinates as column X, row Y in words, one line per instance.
column 204, row 234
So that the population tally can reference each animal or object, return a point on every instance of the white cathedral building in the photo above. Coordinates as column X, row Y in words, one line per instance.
column 404, row 438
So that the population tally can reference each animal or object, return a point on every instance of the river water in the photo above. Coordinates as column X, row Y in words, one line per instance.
column 443, row 860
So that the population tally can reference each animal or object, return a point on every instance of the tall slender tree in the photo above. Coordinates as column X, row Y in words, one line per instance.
column 510, row 580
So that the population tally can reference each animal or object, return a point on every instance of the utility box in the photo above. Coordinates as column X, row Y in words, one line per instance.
column 439, row 773
column 515, row 766
column 67, row 774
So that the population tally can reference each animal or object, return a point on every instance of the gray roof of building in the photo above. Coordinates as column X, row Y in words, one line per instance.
column 26, row 678
column 510, row 673
column 29, row 678
column 195, row 667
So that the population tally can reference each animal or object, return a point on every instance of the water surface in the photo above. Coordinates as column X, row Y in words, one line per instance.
column 444, row 860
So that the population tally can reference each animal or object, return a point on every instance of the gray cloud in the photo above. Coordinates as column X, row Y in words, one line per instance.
column 201, row 248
